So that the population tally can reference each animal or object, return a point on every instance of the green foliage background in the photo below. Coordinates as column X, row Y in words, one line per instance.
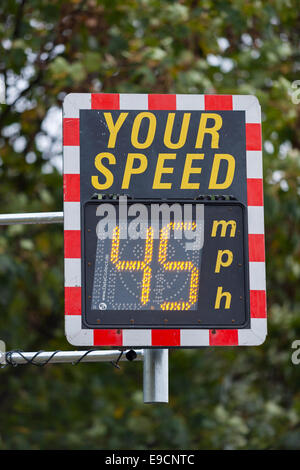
column 234, row 398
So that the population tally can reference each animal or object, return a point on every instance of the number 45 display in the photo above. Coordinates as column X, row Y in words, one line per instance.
column 145, row 270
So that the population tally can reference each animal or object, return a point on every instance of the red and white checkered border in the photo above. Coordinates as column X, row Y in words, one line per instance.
column 78, row 336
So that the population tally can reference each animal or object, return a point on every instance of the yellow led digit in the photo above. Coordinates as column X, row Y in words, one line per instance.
column 147, row 270
column 178, row 266
column 124, row 265
column 114, row 254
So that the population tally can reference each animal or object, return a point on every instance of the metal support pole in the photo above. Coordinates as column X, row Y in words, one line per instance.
column 61, row 357
column 32, row 218
column 156, row 376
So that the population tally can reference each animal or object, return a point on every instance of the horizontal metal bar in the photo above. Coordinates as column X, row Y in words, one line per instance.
column 32, row 218
column 69, row 356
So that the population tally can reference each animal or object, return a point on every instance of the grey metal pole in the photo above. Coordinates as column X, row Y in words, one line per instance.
column 69, row 356
column 32, row 218
column 156, row 376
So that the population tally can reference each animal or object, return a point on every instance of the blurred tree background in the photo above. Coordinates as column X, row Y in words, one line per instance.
column 220, row 398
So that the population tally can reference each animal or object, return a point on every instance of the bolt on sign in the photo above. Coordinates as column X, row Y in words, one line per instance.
column 163, row 220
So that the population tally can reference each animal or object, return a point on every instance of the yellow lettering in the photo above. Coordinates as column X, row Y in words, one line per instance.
column 215, row 171
column 223, row 263
column 105, row 171
column 129, row 170
column 114, row 128
column 213, row 131
column 188, row 170
column 224, row 226
column 221, row 294
column 136, row 128
column 160, row 169
column 183, row 132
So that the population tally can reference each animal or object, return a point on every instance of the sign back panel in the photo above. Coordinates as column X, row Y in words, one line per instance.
column 162, row 147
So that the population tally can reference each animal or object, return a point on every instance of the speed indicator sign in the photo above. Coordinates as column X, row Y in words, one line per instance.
column 163, row 212
column 156, row 279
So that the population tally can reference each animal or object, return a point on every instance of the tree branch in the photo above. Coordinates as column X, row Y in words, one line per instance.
column 18, row 20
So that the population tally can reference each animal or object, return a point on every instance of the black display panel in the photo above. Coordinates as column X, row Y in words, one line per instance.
column 188, row 271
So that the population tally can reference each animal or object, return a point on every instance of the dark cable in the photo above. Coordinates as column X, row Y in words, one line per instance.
column 116, row 363
column 80, row 359
column 10, row 361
